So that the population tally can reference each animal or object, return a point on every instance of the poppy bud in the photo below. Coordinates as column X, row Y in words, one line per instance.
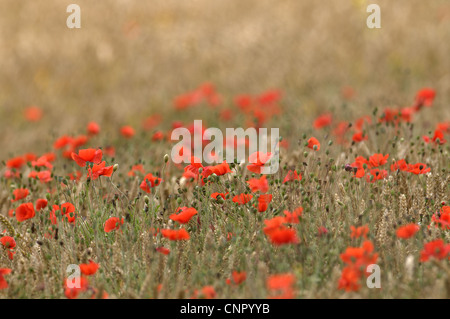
column 146, row 199
column 116, row 167
column 166, row 158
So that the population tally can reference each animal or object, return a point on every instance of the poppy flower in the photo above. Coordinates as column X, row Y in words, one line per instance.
column 425, row 97
column 127, row 131
column 399, row 165
column 41, row 204
column 263, row 202
column 113, row 223
column 314, row 144
column 33, row 113
column 349, row 280
column 89, row 269
column 260, row 184
column 24, row 212
column 93, row 128
column 442, row 218
column 281, row 284
column 16, row 162
column 20, row 193
column 71, row 291
column 376, row 175
column 3, row 282
column 435, row 249
column 185, row 215
column 292, row 175
column 358, row 232
column 44, row 176
column 158, row 136
column 418, row 168
column 87, row 155
column 293, row 218
column 100, row 170
column 171, row 234
column 219, row 170
column 223, row 195
column 151, row 121
column 378, row 160
column 360, row 256
column 359, row 137
column 273, row 223
column 135, row 169
column 163, row 250
column 257, row 161
column 283, row 235
column 208, row 292
column 149, row 182
column 8, row 242
column 323, row 121
column 242, row 199
column 407, row 231
column 238, row 277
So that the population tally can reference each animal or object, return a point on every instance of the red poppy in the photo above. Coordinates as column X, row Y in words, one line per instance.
column 349, row 280
column 3, row 282
column 87, row 155
column 238, row 277
column 136, row 168
column 158, row 136
column 260, row 184
column 323, row 121
column 93, row 128
column 71, row 291
column 171, row 234
column 399, row 165
column 314, row 144
column 127, row 131
column 33, row 113
column 89, row 269
column 16, row 162
column 8, row 242
column 283, row 235
column 263, row 202
column 113, row 223
column 257, row 161
column 361, row 231
column 377, row 160
column 407, row 231
column 100, row 170
column 293, row 218
column 281, row 284
column 185, row 215
column 223, row 195
column 292, row 175
column 359, row 137
column 149, row 182
column 272, row 224
column 20, row 193
column 435, row 249
column 41, row 204
column 24, row 212
column 425, row 97
column 219, row 170
column 163, row 250
column 442, row 218
column 376, row 175
column 242, row 199
column 418, row 168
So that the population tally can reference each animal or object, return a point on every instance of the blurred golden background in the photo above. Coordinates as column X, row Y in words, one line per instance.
column 131, row 58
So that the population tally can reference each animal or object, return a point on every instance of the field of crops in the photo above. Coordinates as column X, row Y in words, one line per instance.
column 97, row 202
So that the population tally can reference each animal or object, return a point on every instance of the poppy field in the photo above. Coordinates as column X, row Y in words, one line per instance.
column 95, row 203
